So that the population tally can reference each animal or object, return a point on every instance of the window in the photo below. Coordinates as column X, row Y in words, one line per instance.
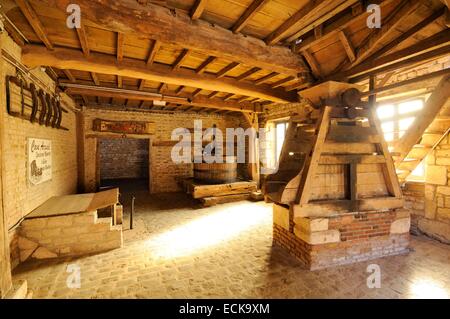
column 396, row 119
column 280, row 135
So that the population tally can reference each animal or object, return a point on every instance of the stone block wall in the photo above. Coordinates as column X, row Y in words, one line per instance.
column 164, row 173
column 123, row 158
column 67, row 235
column 431, row 200
column 324, row 242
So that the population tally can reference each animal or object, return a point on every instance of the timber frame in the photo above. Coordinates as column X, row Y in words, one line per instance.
column 222, row 61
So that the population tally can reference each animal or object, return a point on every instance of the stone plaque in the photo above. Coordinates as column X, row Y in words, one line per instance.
column 39, row 160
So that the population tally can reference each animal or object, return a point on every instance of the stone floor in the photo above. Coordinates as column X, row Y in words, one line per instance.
column 177, row 251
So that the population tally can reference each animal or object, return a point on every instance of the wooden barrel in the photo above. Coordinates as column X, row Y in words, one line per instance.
column 216, row 173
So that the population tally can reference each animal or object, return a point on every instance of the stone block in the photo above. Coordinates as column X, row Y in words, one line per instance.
column 444, row 190
column 60, row 221
column 402, row 213
column 443, row 153
column 436, row 175
column 436, row 229
column 309, row 225
column 443, row 161
column 281, row 216
column 119, row 214
column 318, row 238
column 430, row 209
column 401, row 226
column 443, row 213
column 430, row 192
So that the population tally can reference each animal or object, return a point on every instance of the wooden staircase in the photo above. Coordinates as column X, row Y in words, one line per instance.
column 427, row 131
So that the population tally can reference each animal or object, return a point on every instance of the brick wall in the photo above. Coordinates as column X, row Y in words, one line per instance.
column 123, row 158
column 323, row 242
column 164, row 174
column 20, row 197
column 431, row 200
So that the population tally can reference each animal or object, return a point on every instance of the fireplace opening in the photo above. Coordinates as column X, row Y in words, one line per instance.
column 124, row 163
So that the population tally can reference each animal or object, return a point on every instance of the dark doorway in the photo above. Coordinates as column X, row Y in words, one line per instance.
column 124, row 163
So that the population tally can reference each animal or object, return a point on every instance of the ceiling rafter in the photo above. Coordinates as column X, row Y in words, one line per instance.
column 248, row 15
column 33, row 19
column 198, row 9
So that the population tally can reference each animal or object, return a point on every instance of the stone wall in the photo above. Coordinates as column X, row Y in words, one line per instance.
column 431, row 201
column 123, row 158
column 164, row 174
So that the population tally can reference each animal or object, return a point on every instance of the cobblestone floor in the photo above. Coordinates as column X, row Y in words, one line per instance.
column 176, row 251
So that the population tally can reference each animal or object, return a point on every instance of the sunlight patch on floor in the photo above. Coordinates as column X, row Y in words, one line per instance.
column 205, row 232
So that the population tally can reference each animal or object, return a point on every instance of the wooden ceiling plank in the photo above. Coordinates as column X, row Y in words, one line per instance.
column 198, row 9
column 248, row 15
column 348, row 46
column 159, row 23
column 119, row 82
column 205, row 64
column 62, row 58
column 227, row 69
column 33, row 19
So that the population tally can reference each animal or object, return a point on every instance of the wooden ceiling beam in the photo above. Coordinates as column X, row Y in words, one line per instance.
column 205, row 64
column 266, row 78
column 196, row 92
column 408, row 34
column 82, row 37
column 120, row 43
column 227, row 69
column 248, row 15
column 119, row 82
column 69, row 75
column 35, row 55
column 159, row 23
column 153, row 51
column 373, row 42
column 95, row 78
column 180, row 59
column 348, row 46
column 282, row 81
column 315, row 67
column 183, row 99
column 198, row 9
column 248, row 73
column 283, row 30
column 329, row 30
column 33, row 19
column 432, row 47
